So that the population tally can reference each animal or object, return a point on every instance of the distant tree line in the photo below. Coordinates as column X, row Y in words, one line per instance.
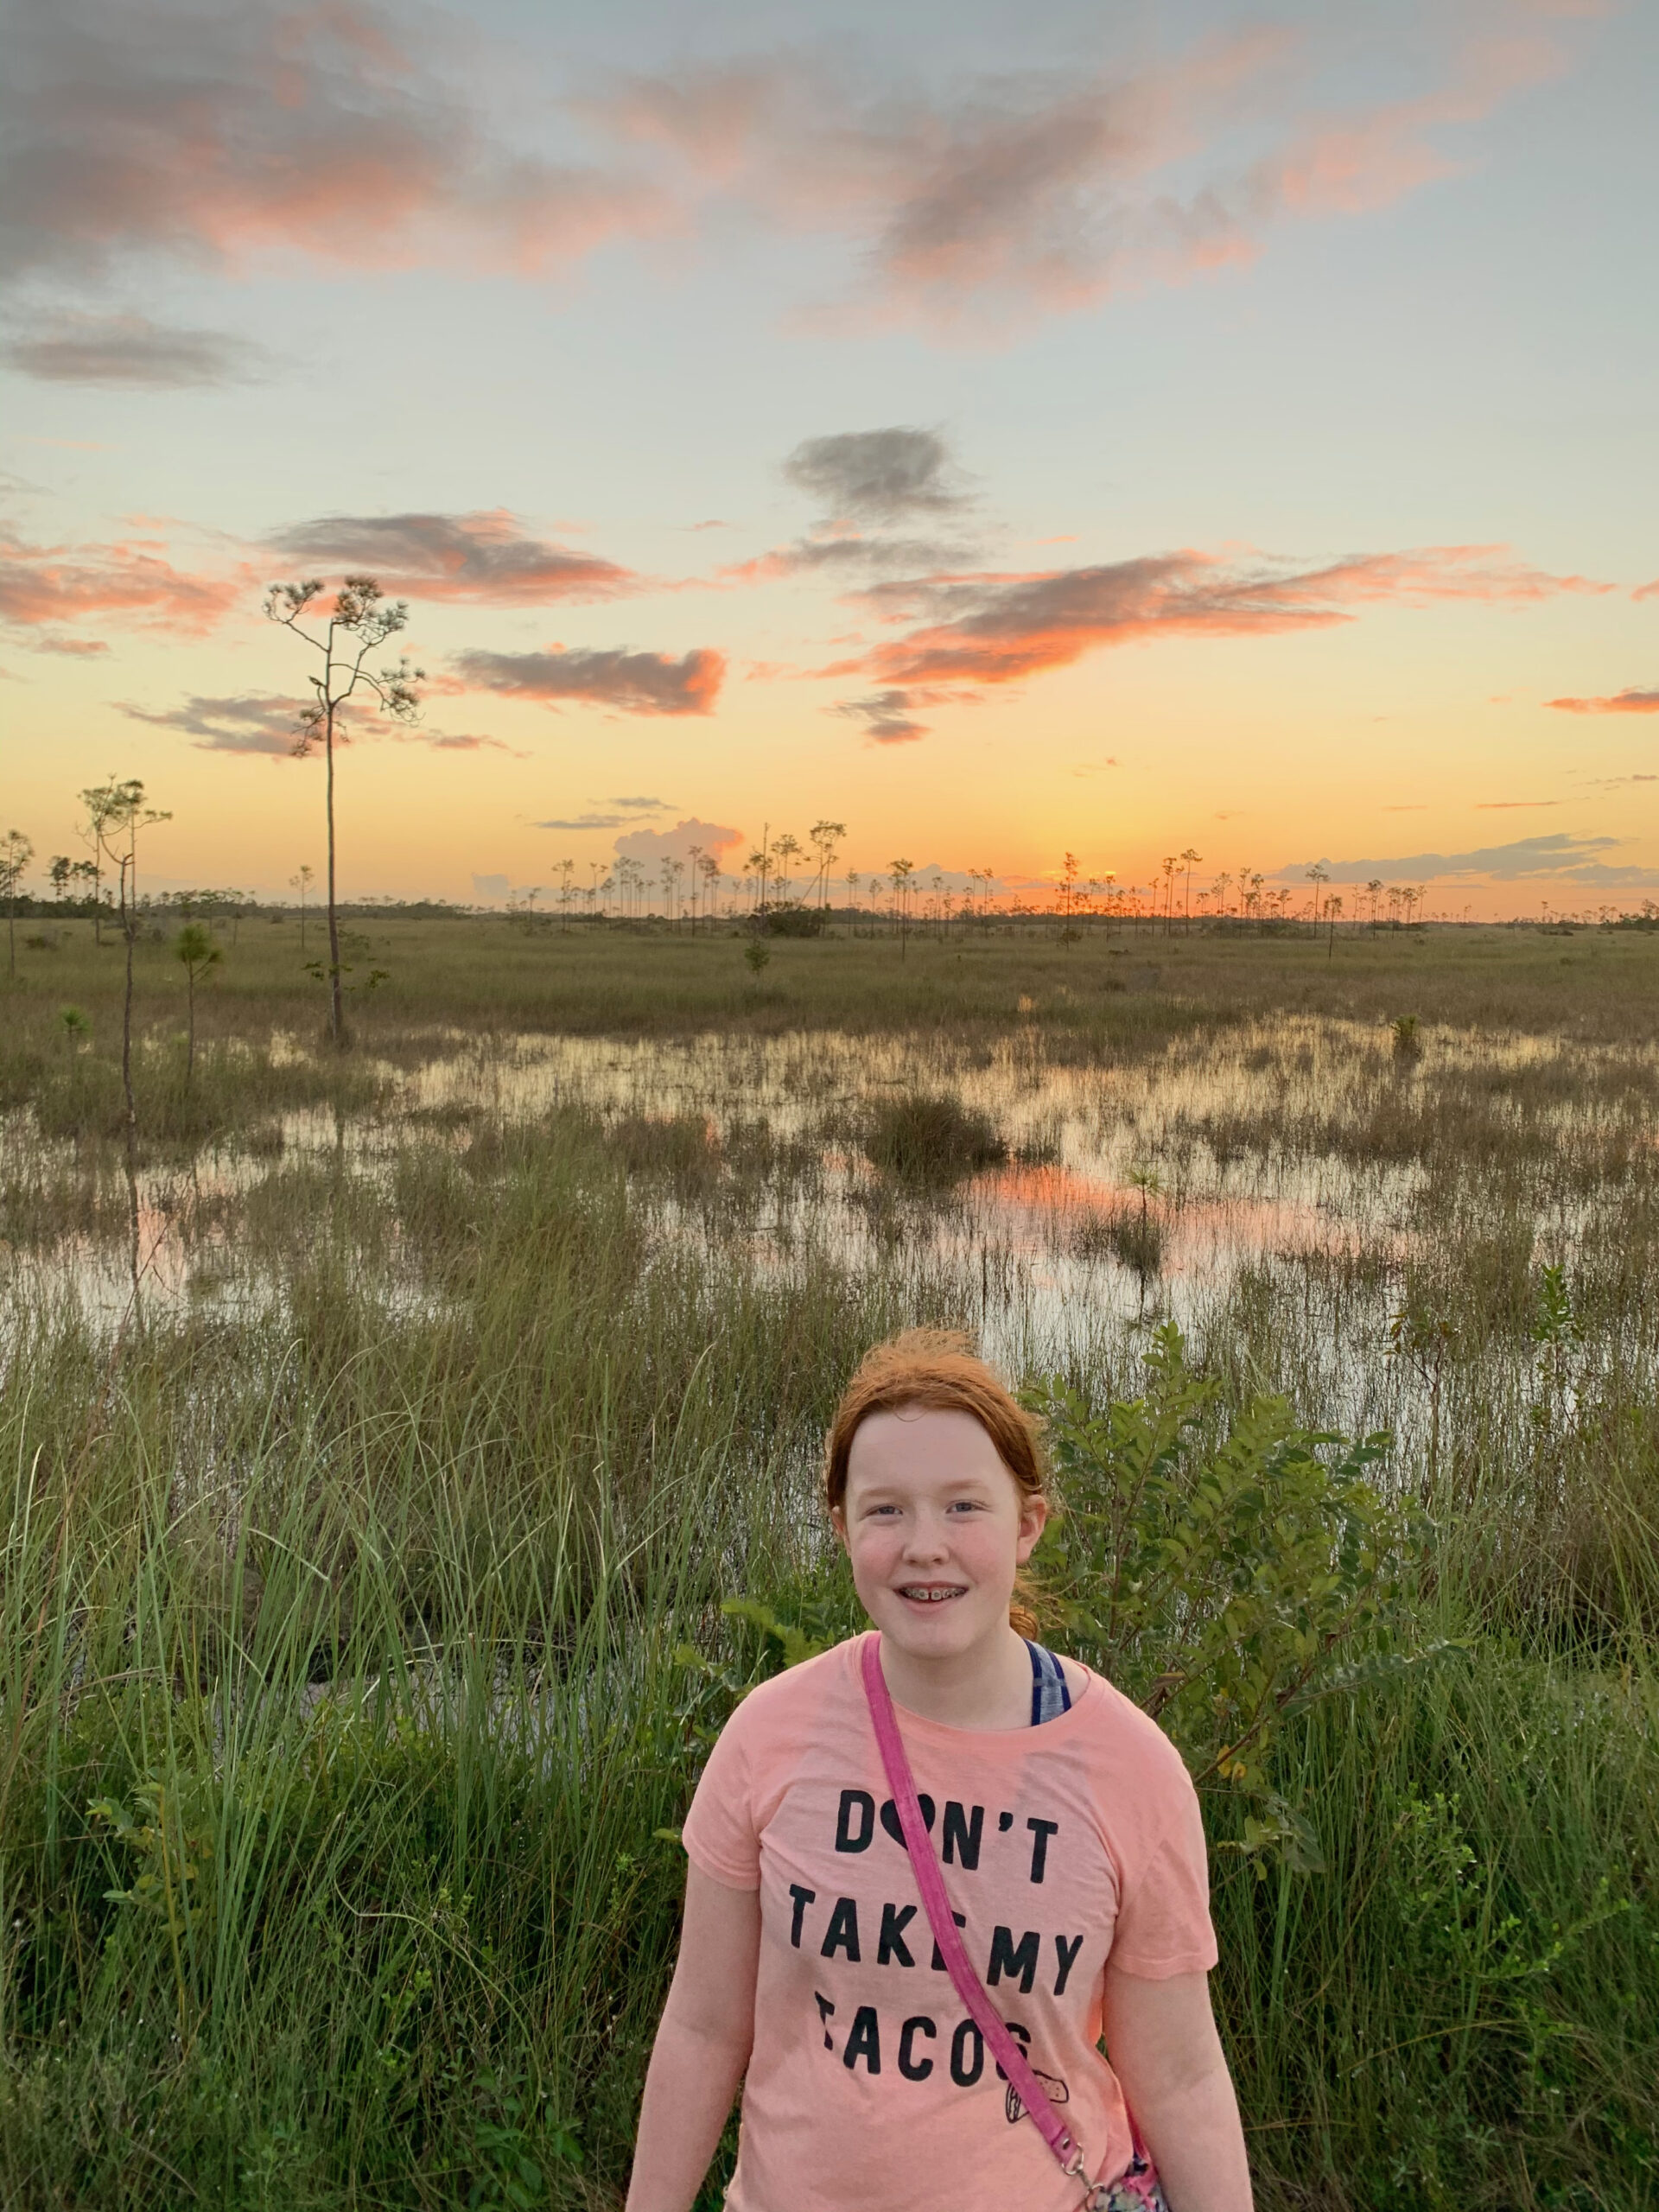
column 787, row 886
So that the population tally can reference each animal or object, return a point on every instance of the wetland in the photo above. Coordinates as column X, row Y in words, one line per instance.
column 386, row 1432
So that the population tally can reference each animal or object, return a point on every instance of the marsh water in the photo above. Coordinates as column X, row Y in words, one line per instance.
column 1292, row 1187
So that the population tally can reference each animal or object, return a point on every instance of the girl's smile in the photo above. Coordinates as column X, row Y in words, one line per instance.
column 936, row 1528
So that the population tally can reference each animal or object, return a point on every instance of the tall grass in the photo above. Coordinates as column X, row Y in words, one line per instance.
column 358, row 1620
column 343, row 1689
column 931, row 1138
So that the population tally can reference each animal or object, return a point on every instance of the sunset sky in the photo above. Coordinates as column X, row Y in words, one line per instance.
column 1001, row 429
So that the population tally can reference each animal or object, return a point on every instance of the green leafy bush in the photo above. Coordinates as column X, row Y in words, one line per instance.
column 1225, row 1571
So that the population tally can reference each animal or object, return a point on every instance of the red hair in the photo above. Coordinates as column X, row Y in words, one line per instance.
column 940, row 1369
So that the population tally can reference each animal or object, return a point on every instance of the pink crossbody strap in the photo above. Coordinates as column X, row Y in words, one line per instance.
column 931, row 1882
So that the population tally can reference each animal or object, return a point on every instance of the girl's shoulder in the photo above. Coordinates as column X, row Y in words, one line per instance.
column 1124, row 1742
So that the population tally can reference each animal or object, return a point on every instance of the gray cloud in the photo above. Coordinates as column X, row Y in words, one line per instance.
column 1558, row 858
column 877, row 476
column 885, row 716
column 847, row 554
column 268, row 723
column 487, row 558
column 252, row 721
column 209, row 133
column 632, row 684
column 584, row 821
column 866, row 480
column 131, row 350
column 620, row 812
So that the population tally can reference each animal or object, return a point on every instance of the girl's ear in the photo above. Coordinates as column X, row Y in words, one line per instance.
column 838, row 1522
column 1033, row 1519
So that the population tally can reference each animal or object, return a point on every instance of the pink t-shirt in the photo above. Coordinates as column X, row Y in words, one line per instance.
column 868, row 2085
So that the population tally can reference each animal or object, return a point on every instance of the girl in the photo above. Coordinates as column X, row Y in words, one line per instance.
column 1070, row 1848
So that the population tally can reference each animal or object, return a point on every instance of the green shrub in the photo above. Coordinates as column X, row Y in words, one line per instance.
column 1225, row 1570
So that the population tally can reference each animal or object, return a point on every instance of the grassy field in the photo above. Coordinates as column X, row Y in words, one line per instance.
column 1114, row 984
column 368, row 1527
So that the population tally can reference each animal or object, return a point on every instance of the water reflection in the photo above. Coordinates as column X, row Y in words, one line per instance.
column 1280, row 1153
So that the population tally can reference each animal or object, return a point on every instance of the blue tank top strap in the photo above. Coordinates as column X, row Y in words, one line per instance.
column 1050, row 1696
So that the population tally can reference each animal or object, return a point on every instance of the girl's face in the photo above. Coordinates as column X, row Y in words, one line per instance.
column 934, row 1526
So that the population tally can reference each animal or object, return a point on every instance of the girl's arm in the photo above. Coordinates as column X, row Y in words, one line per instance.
column 1162, row 2042
column 702, row 2047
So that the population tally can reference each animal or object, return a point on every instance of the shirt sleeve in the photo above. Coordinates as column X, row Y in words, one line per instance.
column 1163, row 1914
column 719, row 1834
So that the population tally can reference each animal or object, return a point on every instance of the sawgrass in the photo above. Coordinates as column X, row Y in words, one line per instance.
column 342, row 1697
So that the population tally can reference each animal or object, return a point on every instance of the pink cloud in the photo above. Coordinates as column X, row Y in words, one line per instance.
column 975, row 203
column 1633, row 701
column 132, row 582
column 1436, row 572
column 1012, row 189
column 997, row 629
column 233, row 132
column 1354, row 163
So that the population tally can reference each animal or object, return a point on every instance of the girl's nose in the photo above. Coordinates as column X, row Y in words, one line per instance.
column 926, row 1540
